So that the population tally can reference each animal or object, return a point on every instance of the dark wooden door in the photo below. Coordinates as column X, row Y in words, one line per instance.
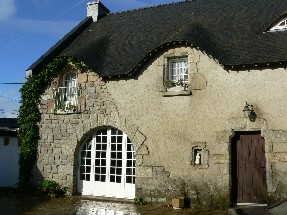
column 248, row 168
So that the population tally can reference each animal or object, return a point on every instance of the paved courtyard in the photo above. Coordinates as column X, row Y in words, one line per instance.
column 15, row 203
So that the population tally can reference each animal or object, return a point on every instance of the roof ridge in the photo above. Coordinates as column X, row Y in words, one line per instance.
column 149, row 7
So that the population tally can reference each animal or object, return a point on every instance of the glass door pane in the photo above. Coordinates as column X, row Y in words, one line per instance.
column 101, row 156
column 86, row 158
column 131, row 163
column 107, row 165
column 116, row 156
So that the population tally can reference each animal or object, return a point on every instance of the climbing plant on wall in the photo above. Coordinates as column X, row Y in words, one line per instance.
column 29, row 114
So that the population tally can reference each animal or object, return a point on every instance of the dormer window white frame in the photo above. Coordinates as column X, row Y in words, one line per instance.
column 177, row 74
column 280, row 26
column 178, row 71
column 66, row 95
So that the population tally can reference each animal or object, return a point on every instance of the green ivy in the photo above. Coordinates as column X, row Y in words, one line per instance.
column 29, row 114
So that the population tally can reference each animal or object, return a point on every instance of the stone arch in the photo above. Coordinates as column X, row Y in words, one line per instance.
column 111, row 120
column 106, row 164
column 99, row 121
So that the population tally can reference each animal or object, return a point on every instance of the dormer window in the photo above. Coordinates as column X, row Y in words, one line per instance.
column 67, row 94
column 280, row 26
column 177, row 77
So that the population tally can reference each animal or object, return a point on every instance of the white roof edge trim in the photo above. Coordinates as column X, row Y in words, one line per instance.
column 281, row 25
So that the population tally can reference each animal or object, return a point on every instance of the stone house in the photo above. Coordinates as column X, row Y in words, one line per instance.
column 159, row 113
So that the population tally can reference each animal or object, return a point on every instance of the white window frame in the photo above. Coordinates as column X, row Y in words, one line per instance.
column 67, row 94
column 280, row 26
column 70, row 85
column 178, row 70
column 176, row 79
column 100, row 173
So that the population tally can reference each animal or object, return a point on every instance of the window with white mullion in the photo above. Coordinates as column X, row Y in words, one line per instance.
column 174, row 73
column 107, row 165
column 130, row 162
column 86, row 161
column 71, row 87
column 116, row 167
column 67, row 94
column 101, row 148
column 179, row 70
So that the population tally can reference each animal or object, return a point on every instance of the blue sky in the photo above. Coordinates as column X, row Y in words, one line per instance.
column 29, row 28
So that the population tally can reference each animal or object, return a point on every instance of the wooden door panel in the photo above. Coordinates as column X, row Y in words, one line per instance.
column 248, row 165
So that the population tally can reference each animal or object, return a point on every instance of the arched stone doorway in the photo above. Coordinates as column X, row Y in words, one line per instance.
column 107, row 165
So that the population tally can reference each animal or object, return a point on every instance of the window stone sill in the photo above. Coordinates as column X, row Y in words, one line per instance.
column 177, row 93
column 200, row 166
column 60, row 112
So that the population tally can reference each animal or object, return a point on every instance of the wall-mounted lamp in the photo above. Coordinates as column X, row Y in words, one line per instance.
column 249, row 112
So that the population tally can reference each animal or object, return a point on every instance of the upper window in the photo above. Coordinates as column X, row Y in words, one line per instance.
column 67, row 94
column 280, row 26
column 177, row 77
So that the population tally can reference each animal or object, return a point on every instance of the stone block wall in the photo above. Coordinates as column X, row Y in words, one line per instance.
column 61, row 134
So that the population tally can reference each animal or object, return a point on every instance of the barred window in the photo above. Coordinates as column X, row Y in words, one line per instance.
column 67, row 94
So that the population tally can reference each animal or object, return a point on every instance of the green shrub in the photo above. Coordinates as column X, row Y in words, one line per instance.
column 139, row 201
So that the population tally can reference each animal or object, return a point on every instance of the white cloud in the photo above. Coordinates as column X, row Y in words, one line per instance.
column 7, row 9
column 116, row 6
column 57, row 28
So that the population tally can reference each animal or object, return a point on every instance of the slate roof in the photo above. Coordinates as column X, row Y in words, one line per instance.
column 9, row 123
column 8, row 126
column 231, row 31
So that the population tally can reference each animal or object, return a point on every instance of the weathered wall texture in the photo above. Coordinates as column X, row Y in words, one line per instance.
column 166, row 129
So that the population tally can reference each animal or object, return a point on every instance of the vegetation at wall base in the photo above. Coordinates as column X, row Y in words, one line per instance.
column 139, row 201
column 29, row 114
column 52, row 189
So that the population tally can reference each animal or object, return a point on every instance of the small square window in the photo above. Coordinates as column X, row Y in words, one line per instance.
column 177, row 73
column 199, row 155
column 176, row 80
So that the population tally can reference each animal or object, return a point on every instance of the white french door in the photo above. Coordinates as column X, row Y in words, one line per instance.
column 107, row 165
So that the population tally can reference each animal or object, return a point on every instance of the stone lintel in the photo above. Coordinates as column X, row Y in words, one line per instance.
column 244, row 124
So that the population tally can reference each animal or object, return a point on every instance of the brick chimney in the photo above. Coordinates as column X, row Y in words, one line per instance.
column 96, row 10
